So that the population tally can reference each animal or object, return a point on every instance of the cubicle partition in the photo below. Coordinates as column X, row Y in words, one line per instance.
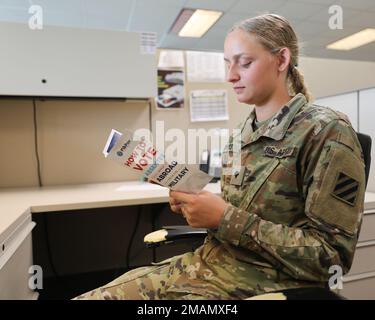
column 359, row 107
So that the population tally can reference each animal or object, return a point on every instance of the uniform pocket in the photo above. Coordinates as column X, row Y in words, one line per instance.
column 263, row 171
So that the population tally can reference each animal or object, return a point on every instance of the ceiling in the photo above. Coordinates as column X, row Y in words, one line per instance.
column 308, row 17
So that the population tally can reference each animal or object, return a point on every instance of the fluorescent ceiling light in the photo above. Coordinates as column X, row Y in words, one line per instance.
column 195, row 23
column 354, row 41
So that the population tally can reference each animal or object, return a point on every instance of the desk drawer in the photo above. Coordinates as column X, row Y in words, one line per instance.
column 15, row 261
column 364, row 258
column 367, row 232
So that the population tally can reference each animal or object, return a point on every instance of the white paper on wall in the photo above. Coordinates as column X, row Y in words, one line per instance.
column 148, row 42
column 208, row 105
column 205, row 66
column 171, row 59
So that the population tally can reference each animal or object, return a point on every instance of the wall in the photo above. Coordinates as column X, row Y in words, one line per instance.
column 71, row 137
column 326, row 77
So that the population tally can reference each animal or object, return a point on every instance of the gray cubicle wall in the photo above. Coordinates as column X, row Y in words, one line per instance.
column 359, row 107
column 367, row 125
column 346, row 103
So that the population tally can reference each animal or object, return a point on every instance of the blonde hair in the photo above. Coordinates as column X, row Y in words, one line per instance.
column 275, row 32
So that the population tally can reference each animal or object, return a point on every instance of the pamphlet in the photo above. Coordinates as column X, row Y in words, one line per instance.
column 142, row 157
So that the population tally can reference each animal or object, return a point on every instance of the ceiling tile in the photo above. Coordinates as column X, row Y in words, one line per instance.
column 15, row 3
column 162, row 3
column 229, row 19
column 306, row 29
column 356, row 4
column 62, row 13
column 351, row 17
column 256, row 6
column 321, row 16
column 210, row 4
column 298, row 10
column 323, row 2
column 112, row 15
column 66, row 5
column 14, row 14
column 145, row 19
column 358, row 18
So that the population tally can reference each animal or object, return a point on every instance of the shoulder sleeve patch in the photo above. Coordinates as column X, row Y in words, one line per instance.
column 346, row 189
column 337, row 192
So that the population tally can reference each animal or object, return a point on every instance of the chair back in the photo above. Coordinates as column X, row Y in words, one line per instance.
column 366, row 141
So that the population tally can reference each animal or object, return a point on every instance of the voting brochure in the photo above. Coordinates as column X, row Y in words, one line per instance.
column 142, row 157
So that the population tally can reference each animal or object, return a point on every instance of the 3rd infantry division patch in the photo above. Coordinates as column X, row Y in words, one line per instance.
column 346, row 188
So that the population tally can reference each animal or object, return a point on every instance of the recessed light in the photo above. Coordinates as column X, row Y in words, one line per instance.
column 354, row 41
column 194, row 23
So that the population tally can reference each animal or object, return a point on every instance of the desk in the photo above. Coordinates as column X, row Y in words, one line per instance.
column 17, row 205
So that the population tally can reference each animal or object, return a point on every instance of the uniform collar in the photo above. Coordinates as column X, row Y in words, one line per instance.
column 277, row 126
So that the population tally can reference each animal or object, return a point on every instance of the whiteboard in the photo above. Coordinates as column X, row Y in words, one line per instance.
column 346, row 103
column 74, row 62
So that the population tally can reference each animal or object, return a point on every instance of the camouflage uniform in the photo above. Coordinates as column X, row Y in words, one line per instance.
column 295, row 209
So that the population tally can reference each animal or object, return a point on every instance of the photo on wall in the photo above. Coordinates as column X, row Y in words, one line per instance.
column 171, row 89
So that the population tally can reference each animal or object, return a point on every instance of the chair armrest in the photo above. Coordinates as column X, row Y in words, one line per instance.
column 173, row 233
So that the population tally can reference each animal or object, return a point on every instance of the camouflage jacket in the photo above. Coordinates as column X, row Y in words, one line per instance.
column 295, row 207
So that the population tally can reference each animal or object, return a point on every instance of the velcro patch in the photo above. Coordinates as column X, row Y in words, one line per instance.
column 346, row 189
column 275, row 152
column 237, row 176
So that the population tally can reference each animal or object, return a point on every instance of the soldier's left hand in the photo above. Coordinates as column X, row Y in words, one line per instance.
column 201, row 210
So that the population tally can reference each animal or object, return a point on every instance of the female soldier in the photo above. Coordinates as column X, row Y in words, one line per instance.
column 291, row 211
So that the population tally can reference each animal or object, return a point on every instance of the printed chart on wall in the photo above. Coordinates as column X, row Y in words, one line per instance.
column 208, row 105
column 171, row 90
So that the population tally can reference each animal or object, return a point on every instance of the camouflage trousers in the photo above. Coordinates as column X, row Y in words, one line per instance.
column 211, row 272
column 144, row 283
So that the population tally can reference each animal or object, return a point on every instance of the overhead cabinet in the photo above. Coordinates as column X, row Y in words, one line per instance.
column 74, row 62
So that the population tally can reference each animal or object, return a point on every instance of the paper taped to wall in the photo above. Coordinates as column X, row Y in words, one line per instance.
column 141, row 156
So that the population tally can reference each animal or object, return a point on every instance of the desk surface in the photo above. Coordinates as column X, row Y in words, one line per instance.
column 17, row 203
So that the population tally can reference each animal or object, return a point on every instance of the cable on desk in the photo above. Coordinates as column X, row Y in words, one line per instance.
column 36, row 144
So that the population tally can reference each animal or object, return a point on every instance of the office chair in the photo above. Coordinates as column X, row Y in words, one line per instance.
column 170, row 234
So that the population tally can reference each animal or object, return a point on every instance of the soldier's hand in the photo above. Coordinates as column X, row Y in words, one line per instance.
column 174, row 204
column 202, row 210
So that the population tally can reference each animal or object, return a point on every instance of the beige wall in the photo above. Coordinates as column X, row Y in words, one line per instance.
column 71, row 137
column 17, row 160
column 181, row 118
column 72, row 133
